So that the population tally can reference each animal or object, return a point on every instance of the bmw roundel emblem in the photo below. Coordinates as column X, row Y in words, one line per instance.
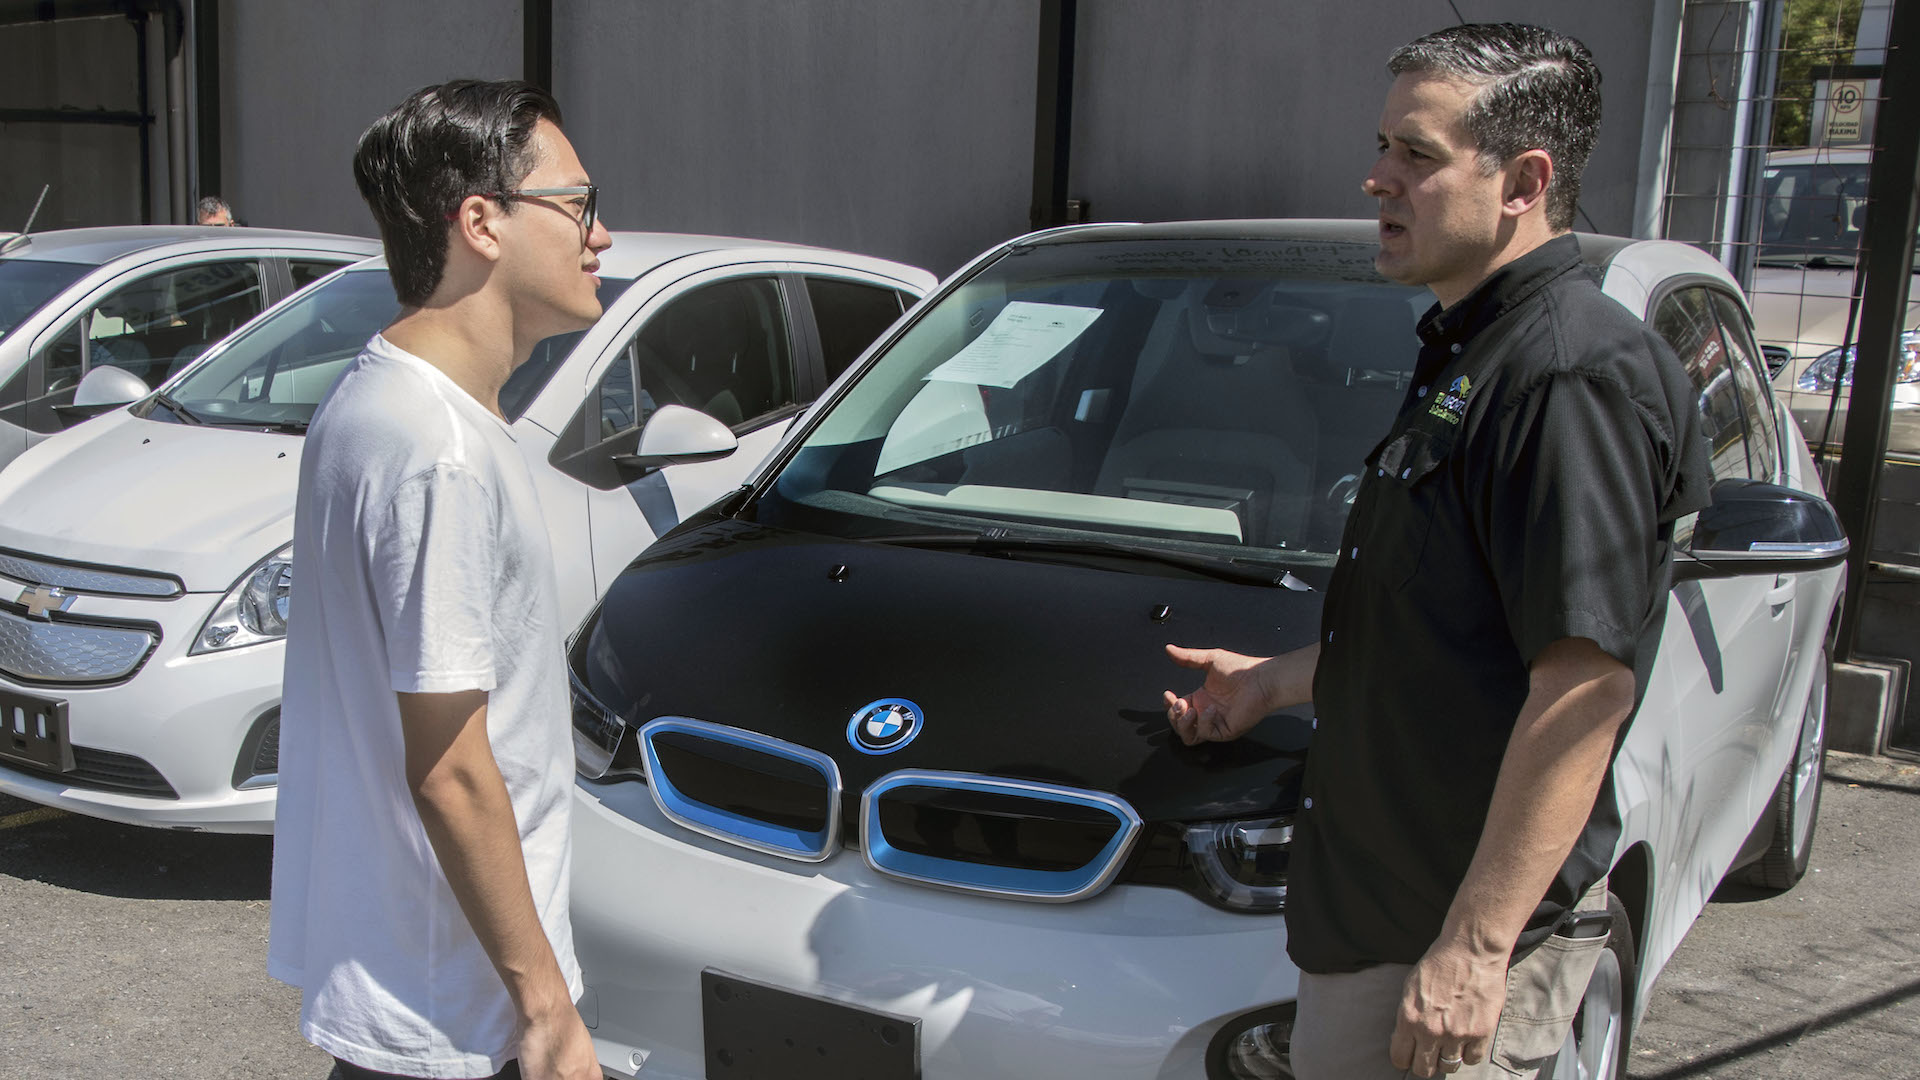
column 884, row 726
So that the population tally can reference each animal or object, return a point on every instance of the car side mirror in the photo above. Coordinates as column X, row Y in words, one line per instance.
column 104, row 389
column 676, row 435
column 1754, row 527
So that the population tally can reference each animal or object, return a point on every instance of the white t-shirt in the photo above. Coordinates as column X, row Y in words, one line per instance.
column 421, row 564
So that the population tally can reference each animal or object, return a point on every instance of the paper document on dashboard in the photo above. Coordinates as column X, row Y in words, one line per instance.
column 1023, row 337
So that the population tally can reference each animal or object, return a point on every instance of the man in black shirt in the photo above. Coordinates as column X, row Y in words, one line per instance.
column 1495, row 610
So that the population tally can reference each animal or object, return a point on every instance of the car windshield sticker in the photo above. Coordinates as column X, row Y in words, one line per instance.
column 1021, row 338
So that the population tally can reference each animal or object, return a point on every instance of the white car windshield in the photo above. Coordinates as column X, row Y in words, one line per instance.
column 1217, row 400
column 274, row 372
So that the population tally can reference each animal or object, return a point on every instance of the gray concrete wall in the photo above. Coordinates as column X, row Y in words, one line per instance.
column 900, row 130
column 301, row 80
column 87, row 64
column 1250, row 108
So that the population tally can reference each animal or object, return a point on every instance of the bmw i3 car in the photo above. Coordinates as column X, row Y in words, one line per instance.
column 875, row 776
column 145, row 299
column 145, row 555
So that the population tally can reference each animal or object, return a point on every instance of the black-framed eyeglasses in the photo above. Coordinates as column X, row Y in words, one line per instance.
column 588, row 214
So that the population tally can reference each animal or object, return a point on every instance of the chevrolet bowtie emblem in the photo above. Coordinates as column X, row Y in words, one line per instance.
column 40, row 600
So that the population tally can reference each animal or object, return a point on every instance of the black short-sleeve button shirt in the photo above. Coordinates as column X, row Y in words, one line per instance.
column 1524, row 494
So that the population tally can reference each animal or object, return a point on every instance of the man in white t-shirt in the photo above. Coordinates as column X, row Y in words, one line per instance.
column 421, row 861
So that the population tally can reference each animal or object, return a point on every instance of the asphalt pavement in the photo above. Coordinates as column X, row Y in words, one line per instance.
column 1820, row 981
column 138, row 952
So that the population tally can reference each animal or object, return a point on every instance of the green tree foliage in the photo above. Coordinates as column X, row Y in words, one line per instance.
column 1818, row 34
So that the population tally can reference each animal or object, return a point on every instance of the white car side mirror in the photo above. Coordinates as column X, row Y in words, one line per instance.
column 108, row 385
column 677, row 435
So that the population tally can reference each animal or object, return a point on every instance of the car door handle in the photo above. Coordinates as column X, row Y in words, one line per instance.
column 1781, row 594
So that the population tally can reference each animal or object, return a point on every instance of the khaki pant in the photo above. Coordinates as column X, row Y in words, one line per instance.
column 1344, row 1023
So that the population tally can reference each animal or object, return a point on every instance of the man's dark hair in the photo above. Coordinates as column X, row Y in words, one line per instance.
column 442, row 144
column 1539, row 90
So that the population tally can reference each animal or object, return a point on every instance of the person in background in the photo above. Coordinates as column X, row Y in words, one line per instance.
column 213, row 210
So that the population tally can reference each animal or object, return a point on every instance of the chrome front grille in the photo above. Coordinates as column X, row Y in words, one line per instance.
column 992, row 835
column 73, row 577
column 743, row 787
column 70, row 652
column 981, row 834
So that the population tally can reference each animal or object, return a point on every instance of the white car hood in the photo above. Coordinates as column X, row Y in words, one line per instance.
column 200, row 502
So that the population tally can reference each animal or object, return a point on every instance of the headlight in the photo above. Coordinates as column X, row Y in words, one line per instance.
column 596, row 731
column 1820, row 374
column 1256, row 1046
column 254, row 610
column 1242, row 864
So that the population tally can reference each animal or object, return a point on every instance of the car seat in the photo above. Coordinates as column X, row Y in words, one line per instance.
column 1221, row 421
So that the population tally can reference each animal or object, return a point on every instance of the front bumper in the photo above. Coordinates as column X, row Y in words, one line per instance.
column 1133, row 983
column 186, row 716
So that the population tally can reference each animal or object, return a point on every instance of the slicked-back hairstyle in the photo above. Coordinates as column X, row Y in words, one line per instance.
column 442, row 144
column 209, row 205
column 1538, row 90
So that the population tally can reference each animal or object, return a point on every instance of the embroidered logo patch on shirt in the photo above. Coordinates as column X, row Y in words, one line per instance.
column 1451, row 405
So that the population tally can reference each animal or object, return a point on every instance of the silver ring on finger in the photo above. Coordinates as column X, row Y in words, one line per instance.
column 1452, row 1064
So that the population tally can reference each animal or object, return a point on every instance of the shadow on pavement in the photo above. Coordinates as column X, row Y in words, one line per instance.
column 108, row 859
column 1879, row 785
column 1705, row 1066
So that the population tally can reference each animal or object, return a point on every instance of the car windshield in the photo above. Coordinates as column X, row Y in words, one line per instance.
column 274, row 372
column 1813, row 210
column 25, row 284
column 1189, row 398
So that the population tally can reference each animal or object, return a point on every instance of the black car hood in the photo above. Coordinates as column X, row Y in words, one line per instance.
column 1027, row 669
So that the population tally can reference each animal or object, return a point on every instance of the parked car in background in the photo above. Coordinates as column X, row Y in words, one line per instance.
column 894, row 784
column 147, row 299
column 145, row 556
column 1803, row 284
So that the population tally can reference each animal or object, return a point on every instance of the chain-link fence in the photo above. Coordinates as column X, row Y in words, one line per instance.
column 1770, row 169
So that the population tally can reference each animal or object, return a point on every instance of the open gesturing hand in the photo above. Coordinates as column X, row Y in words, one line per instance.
column 1230, row 700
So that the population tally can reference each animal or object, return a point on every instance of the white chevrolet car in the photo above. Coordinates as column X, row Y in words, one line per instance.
column 145, row 561
column 876, row 778
column 146, row 299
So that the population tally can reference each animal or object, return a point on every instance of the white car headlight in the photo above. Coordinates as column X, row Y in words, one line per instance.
column 254, row 610
column 1820, row 374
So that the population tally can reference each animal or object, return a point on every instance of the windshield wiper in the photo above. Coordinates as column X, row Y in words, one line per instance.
column 1009, row 546
column 289, row 427
column 186, row 415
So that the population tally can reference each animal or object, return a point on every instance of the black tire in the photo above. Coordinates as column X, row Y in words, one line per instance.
column 1794, row 811
column 1596, row 1048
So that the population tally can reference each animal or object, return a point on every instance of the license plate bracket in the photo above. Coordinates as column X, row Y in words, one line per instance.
column 33, row 731
column 755, row 1031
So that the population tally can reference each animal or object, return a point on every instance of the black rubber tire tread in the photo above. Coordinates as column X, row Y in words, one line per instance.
column 1781, row 868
